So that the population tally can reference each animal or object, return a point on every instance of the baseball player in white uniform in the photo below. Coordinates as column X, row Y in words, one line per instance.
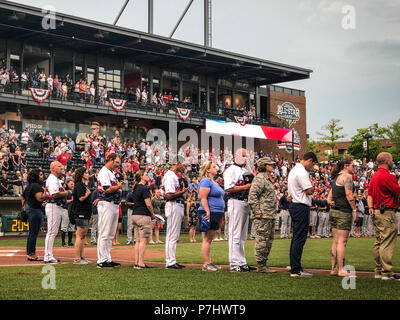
column 238, row 212
column 109, row 195
column 174, row 212
column 55, row 199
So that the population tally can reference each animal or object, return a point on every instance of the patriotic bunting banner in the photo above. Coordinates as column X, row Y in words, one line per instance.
column 184, row 114
column 118, row 105
column 253, row 131
column 241, row 120
column 39, row 95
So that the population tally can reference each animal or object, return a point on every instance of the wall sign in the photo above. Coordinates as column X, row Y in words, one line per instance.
column 289, row 113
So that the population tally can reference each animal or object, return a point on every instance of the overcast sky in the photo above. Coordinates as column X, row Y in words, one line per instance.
column 356, row 74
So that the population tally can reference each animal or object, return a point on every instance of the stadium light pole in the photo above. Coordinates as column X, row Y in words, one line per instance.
column 180, row 19
column 150, row 16
column 120, row 12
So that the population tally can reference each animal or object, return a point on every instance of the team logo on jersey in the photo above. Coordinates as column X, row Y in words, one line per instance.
column 184, row 113
column 118, row 105
column 39, row 95
column 289, row 113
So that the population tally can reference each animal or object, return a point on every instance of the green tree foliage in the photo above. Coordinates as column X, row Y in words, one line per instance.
column 393, row 133
column 333, row 134
column 356, row 148
column 312, row 146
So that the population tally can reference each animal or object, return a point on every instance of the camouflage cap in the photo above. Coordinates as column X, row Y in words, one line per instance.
column 264, row 161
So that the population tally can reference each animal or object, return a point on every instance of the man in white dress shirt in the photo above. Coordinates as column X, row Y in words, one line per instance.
column 300, row 189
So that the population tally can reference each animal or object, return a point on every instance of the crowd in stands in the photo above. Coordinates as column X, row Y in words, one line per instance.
column 83, row 91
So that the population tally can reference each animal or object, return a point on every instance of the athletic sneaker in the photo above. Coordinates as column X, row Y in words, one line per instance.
column 152, row 242
column 93, row 243
column 52, row 261
column 128, row 242
column 378, row 276
column 159, row 242
column 104, row 265
column 80, row 261
column 302, row 274
column 209, row 267
column 219, row 268
column 392, row 277
column 86, row 260
column 247, row 267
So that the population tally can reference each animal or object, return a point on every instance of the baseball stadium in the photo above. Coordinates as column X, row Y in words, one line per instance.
column 74, row 91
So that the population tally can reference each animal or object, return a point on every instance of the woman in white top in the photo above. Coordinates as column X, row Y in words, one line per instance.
column 92, row 90
column 50, row 82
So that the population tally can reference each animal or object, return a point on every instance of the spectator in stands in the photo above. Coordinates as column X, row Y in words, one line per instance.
column 92, row 91
column 5, row 165
column 42, row 80
column 63, row 158
column 76, row 90
column 64, row 89
column 17, row 184
column 16, row 161
column 4, row 185
column 32, row 201
column 24, row 139
column 138, row 95
column 50, row 83
column 144, row 96
column 35, row 78
column 11, row 133
column 103, row 96
column 15, row 83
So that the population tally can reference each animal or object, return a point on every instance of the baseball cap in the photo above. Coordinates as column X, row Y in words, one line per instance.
column 264, row 161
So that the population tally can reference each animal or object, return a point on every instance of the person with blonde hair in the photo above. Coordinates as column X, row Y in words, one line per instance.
column 212, row 207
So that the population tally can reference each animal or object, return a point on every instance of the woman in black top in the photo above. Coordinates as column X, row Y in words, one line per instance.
column 142, row 214
column 343, row 208
column 32, row 201
column 82, row 211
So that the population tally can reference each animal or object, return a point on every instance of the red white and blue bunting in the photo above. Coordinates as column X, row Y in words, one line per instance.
column 39, row 95
column 184, row 113
column 241, row 120
column 118, row 105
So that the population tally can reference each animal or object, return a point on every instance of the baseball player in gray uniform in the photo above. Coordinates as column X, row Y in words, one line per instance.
column 174, row 212
column 238, row 212
column 109, row 195
column 55, row 199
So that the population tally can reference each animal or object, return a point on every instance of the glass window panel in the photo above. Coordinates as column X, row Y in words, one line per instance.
column 101, row 83
column 102, row 76
column 110, row 77
column 117, row 72
column 110, row 84
column 91, row 70
column 101, row 69
column 117, row 85
column 117, row 78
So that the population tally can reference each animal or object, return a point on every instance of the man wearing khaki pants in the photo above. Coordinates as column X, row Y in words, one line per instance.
column 383, row 202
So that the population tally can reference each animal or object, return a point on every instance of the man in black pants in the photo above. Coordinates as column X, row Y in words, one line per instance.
column 300, row 189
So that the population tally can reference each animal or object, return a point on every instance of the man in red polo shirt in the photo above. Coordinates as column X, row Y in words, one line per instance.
column 383, row 201
column 63, row 159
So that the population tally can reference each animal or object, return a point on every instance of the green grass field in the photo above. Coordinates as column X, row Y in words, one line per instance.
column 88, row 282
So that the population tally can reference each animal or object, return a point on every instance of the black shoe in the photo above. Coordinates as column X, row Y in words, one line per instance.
column 115, row 264
column 104, row 265
column 70, row 244
column 239, row 269
column 247, row 267
column 181, row 266
column 174, row 266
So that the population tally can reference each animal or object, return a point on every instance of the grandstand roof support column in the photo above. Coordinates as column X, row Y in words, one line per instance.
column 257, row 98
column 8, row 53
column 180, row 88
column 21, row 59
column 208, row 94
column 161, row 83
column 216, row 93
column 233, row 98
column 150, row 17
column 150, row 84
column 199, row 96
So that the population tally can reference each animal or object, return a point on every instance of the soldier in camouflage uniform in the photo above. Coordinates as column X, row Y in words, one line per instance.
column 264, row 209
